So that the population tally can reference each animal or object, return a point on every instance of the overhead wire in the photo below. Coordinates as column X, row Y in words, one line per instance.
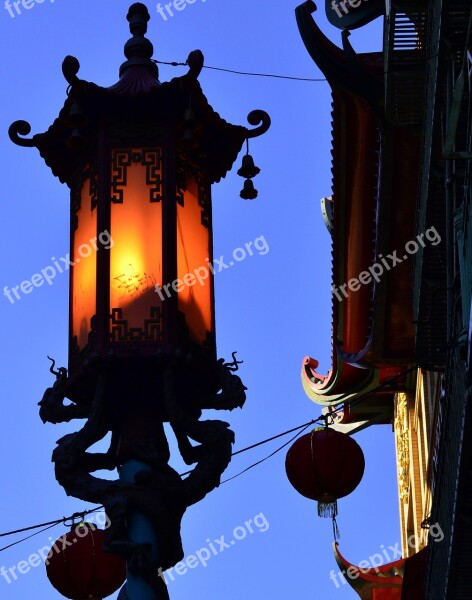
column 50, row 524
column 55, row 522
column 269, row 456
column 29, row 536
column 46, row 526
column 251, row 74
column 324, row 418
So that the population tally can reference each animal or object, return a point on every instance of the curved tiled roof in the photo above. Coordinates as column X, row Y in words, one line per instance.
column 374, row 187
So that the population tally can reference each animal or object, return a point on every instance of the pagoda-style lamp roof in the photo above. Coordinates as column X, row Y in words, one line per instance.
column 139, row 97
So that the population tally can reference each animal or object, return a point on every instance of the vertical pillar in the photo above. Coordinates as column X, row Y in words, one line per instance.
column 141, row 531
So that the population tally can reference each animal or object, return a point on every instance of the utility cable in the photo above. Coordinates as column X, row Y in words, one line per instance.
column 270, row 455
column 50, row 524
column 29, row 536
column 179, row 64
column 320, row 419
column 45, row 527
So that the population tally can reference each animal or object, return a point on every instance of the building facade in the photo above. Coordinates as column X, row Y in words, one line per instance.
column 400, row 217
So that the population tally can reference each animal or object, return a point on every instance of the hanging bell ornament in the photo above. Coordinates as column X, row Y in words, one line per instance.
column 189, row 118
column 248, row 168
column 76, row 116
column 188, row 139
column 248, row 192
column 76, row 140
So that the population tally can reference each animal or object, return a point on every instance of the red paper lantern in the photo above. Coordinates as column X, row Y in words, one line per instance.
column 325, row 465
column 78, row 567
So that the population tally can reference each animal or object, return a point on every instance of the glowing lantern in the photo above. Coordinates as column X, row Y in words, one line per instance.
column 78, row 567
column 325, row 465
column 139, row 158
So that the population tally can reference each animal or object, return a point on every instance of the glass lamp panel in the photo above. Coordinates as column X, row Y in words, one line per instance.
column 84, row 271
column 136, row 253
column 193, row 264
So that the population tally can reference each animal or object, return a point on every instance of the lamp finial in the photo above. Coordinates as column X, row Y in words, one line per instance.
column 138, row 49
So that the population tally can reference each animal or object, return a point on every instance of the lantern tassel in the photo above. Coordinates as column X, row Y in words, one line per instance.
column 336, row 534
column 328, row 510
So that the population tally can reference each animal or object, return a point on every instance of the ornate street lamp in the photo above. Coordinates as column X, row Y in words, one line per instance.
column 139, row 158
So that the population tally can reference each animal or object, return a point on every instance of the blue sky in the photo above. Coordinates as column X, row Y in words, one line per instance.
column 273, row 309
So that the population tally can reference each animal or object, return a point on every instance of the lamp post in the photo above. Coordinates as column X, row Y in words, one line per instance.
column 139, row 158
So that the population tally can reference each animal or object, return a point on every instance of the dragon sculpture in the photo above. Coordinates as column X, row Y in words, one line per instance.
column 158, row 492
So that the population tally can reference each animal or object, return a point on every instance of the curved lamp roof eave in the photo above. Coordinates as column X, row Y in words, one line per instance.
column 140, row 98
